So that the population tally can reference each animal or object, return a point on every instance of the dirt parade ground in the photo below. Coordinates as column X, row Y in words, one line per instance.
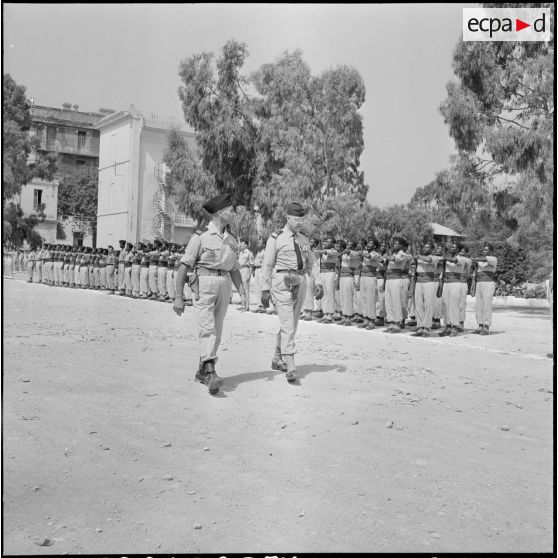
column 390, row 443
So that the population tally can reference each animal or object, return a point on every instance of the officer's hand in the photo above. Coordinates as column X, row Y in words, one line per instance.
column 178, row 306
column 381, row 289
column 318, row 292
column 266, row 296
column 336, row 284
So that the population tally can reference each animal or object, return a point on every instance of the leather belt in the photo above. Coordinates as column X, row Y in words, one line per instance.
column 202, row 271
column 291, row 271
column 163, row 264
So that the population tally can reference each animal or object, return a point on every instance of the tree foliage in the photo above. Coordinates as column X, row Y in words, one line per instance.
column 272, row 137
column 500, row 112
column 20, row 228
column 18, row 146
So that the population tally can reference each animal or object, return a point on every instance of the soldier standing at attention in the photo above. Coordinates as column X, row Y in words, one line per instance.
column 103, row 268
column 154, row 269
column 380, row 279
column 128, row 269
column 308, row 305
column 368, row 283
column 257, row 270
column 288, row 254
column 451, row 296
column 439, row 251
column 346, row 283
column 425, row 290
column 395, row 264
column 136, row 270
column 355, row 259
column 31, row 256
column 111, row 261
column 245, row 262
column 467, row 262
column 173, row 256
column 84, row 268
column 327, row 257
column 120, row 270
column 144, row 272
column 485, row 289
column 211, row 255
column 405, row 284
column 162, row 268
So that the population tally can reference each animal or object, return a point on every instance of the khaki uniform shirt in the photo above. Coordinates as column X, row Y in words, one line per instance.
column 280, row 254
column 212, row 250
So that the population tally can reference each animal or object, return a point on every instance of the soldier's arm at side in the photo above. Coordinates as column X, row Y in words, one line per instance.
column 268, row 263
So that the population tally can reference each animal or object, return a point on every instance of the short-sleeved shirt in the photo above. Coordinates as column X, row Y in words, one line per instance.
column 280, row 253
column 466, row 269
column 258, row 259
column 487, row 269
column 245, row 258
column 212, row 250
column 427, row 272
column 369, row 263
column 454, row 270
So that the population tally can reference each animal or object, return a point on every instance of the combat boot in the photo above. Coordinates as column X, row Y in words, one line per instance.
column 436, row 323
column 277, row 363
column 379, row 322
column 364, row 323
column 206, row 375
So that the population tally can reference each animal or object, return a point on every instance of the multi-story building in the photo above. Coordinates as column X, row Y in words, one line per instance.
column 71, row 135
column 133, row 201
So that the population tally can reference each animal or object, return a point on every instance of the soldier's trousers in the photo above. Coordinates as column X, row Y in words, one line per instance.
column 162, row 281
column 128, row 280
column 356, row 300
column 135, row 278
column 171, row 291
column 346, row 290
column 210, row 311
column 463, row 302
column 438, row 306
column 103, row 277
column 77, row 275
column 30, row 267
column 337, row 298
column 95, row 275
column 71, row 275
column 405, row 284
column 368, row 296
column 39, row 270
column 308, row 304
column 288, row 311
column 483, row 302
column 84, row 276
column 110, row 277
column 258, row 285
column 451, row 303
column 46, row 272
column 328, row 283
column 381, row 312
column 153, row 270
column 394, row 312
column 246, row 275
column 121, row 276
column 425, row 298
column 144, row 280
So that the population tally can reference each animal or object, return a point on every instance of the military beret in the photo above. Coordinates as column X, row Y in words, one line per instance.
column 295, row 209
column 217, row 203
column 122, row 242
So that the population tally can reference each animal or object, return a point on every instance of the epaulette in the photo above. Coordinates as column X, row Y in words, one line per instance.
column 276, row 234
column 198, row 233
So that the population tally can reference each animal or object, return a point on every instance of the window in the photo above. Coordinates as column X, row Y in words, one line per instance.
column 80, row 163
column 78, row 238
column 82, row 137
column 37, row 199
column 51, row 137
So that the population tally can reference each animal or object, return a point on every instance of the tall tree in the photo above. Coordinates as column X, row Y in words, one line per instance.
column 500, row 112
column 77, row 199
column 20, row 162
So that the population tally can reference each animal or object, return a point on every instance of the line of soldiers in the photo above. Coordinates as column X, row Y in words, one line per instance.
column 146, row 271
column 368, row 286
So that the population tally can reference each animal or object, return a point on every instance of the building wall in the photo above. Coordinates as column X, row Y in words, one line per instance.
column 74, row 232
column 114, row 183
column 49, row 197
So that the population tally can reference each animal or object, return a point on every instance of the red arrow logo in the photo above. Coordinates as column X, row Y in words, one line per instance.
column 519, row 25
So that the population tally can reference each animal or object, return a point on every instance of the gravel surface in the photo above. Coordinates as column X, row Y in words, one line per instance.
column 389, row 443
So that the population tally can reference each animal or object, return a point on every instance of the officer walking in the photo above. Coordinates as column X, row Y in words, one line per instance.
column 210, row 256
column 288, row 254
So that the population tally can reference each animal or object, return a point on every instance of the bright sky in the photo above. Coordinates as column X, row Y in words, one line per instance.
column 106, row 55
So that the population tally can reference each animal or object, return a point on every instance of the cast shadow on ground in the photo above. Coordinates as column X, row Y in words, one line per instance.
column 230, row 383
column 526, row 312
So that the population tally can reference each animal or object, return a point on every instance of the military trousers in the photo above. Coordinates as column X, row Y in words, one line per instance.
column 394, row 312
column 77, row 275
column 308, row 304
column 71, row 275
column 405, row 284
column 171, row 291
column 328, row 283
column 368, row 296
column 288, row 310
column 425, row 299
column 103, row 277
column 135, row 278
column 346, row 292
column 381, row 310
column 153, row 271
column 357, row 300
column 438, row 307
column 483, row 302
column 121, row 276
column 30, row 268
column 110, row 277
column 258, row 285
column 84, row 276
column 451, row 298
column 210, row 311
column 39, row 270
column 144, row 280
column 128, row 280
column 162, row 281
column 463, row 302
column 246, row 275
